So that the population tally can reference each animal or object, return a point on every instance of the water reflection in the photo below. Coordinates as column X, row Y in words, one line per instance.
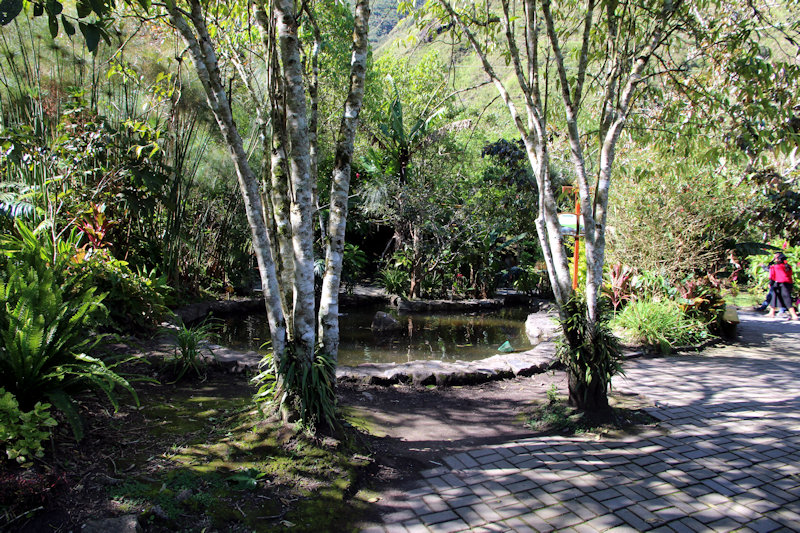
column 443, row 337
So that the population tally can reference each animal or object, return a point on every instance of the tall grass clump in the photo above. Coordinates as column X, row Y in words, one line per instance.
column 659, row 323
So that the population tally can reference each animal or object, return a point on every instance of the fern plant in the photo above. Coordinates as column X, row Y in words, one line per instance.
column 46, row 335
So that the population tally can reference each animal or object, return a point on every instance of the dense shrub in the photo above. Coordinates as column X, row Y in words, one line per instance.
column 394, row 280
column 659, row 323
column 47, row 328
column 672, row 217
column 135, row 300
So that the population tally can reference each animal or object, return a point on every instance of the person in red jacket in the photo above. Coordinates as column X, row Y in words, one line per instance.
column 780, row 274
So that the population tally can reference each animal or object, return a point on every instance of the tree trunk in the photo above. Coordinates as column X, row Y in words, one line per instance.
column 204, row 57
column 340, row 187
column 313, row 120
column 416, row 262
column 301, row 181
column 279, row 198
column 592, row 397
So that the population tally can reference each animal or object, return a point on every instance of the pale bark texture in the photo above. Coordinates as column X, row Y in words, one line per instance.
column 340, row 187
column 281, row 224
column 313, row 119
column 279, row 181
column 192, row 28
column 276, row 167
column 300, row 179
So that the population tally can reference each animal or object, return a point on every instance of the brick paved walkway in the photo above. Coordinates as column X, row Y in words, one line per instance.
column 727, row 458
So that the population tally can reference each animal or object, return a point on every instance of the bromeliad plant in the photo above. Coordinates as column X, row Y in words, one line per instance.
column 307, row 391
column 592, row 355
column 619, row 289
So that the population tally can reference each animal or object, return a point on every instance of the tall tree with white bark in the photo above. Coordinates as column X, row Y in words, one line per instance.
column 600, row 50
column 284, row 120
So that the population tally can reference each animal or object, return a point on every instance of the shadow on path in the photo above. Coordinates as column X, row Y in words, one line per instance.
column 730, row 458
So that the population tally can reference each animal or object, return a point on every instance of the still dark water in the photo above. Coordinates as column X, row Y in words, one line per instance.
column 441, row 337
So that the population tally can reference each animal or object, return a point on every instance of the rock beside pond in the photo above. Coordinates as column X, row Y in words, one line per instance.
column 422, row 373
column 425, row 306
column 120, row 524
column 197, row 311
column 385, row 323
column 541, row 326
column 234, row 361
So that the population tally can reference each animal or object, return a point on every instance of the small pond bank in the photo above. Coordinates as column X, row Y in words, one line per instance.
column 439, row 342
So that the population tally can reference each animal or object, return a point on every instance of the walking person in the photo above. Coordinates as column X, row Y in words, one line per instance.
column 780, row 274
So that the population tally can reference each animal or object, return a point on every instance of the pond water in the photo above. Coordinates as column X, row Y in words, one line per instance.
column 467, row 336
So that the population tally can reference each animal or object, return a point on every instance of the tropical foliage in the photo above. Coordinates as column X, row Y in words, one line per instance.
column 48, row 329
column 307, row 392
column 124, row 164
column 22, row 432
column 660, row 324
column 592, row 355
column 192, row 350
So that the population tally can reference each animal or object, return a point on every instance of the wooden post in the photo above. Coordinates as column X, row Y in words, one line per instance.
column 576, row 254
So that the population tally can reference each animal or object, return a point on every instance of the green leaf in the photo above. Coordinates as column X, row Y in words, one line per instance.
column 69, row 28
column 9, row 9
column 52, row 22
column 54, row 8
column 84, row 9
column 63, row 403
column 92, row 35
column 98, row 6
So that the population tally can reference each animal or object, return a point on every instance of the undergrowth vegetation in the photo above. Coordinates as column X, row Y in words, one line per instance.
column 661, row 324
column 118, row 201
column 305, row 392
column 192, row 351
column 557, row 416
column 48, row 327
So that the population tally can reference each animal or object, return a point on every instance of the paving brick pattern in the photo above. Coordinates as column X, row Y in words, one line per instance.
column 726, row 458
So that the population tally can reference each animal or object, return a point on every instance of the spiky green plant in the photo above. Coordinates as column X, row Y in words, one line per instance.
column 307, row 390
column 592, row 354
column 661, row 324
column 191, row 350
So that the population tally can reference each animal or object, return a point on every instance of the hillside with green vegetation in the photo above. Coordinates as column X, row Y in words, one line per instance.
column 383, row 19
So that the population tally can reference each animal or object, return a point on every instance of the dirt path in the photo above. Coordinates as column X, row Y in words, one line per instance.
column 411, row 428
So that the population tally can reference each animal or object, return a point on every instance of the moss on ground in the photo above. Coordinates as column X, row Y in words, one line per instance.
column 223, row 467
column 626, row 415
